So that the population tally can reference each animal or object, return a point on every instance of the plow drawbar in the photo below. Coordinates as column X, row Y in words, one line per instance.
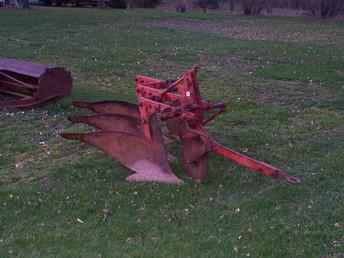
column 136, row 135
column 24, row 84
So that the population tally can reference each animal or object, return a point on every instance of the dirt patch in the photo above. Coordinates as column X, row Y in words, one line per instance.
column 39, row 131
column 163, row 68
column 220, row 66
column 228, row 64
column 239, row 73
column 249, row 31
column 292, row 93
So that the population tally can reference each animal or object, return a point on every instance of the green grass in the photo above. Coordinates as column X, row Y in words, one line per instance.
column 286, row 107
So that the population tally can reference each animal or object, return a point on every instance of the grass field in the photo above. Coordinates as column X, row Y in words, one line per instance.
column 283, row 80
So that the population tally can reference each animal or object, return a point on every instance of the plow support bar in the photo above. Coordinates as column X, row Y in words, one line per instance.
column 252, row 164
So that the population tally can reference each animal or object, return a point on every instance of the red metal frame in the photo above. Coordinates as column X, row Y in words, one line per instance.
column 181, row 99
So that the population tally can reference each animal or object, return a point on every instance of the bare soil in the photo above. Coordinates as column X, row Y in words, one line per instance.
column 292, row 93
column 251, row 31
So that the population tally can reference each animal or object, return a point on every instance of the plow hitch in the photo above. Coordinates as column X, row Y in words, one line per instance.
column 24, row 84
column 136, row 135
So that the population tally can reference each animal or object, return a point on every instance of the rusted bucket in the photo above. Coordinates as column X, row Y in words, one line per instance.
column 24, row 84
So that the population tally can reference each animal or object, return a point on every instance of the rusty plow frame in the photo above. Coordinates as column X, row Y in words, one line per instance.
column 136, row 135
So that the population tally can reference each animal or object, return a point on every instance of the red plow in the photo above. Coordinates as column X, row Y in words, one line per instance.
column 24, row 84
column 136, row 135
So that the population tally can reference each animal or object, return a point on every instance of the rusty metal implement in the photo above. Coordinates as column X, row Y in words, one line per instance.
column 24, row 84
column 133, row 134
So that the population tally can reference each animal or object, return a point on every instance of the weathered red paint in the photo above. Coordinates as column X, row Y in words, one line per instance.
column 160, row 97
column 24, row 84
column 180, row 106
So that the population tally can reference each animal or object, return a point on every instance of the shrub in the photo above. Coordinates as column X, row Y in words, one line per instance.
column 253, row 7
column 121, row 4
column 181, row 7
column 143, row 3
column 325, row 8
column 206, row 4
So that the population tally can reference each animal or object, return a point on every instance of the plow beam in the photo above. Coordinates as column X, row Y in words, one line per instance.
column 252, row 164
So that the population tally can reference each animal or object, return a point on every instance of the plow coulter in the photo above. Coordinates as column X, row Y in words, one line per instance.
column 24, row 84
column 136, row 135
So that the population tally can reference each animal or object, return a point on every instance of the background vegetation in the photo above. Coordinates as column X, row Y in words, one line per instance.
column 283, row 81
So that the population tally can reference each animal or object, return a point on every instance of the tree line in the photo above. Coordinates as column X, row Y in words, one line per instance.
column 321, row 8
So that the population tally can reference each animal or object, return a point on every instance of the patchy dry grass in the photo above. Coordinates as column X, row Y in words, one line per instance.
column 264, row 29
column 283, row 82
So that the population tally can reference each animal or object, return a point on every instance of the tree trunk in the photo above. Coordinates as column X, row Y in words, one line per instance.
column 231, row 5
column 25, row 4
column 253, row 7
column 268, row 4
column 325, row 8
